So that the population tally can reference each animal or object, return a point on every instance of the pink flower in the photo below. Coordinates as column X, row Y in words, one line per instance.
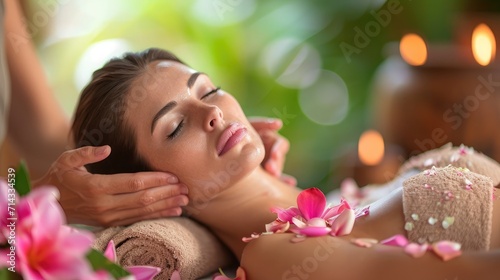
column 46, row 248
column 240, row 275
column 142, row 272
column 313, row 218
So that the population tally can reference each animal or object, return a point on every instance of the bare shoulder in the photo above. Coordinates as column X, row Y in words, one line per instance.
column 276, row 257
column 324, row 258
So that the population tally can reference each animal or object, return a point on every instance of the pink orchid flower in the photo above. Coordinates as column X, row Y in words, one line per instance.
column 139, row 272
column 46, row 248
column 313, row 218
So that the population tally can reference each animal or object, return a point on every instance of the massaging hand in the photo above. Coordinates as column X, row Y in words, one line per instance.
column 110, row 200
column 276, row 147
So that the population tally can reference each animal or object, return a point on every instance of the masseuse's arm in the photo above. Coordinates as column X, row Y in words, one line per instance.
column 324, row 258
column 39, row 130
column 38, row 127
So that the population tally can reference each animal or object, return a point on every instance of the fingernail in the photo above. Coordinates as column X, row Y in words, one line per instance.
column 172, row 180
column 184, row 201
column 100, row 151
column 271, row 168
column 184, row 189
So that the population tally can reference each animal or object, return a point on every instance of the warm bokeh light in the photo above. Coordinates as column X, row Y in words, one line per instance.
column 371, row 147
column 483, row 44
column 413, row 49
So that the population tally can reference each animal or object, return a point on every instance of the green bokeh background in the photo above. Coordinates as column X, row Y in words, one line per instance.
column 228, row 39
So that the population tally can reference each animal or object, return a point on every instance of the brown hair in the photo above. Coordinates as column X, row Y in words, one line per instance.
column 99, row 116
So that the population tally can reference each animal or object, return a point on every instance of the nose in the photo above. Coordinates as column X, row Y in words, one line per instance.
column 214, row 117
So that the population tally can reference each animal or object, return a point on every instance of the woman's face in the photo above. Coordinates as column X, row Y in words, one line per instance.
column 185, row 126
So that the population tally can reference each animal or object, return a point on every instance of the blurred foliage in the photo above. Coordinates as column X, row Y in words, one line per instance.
column 229, row 39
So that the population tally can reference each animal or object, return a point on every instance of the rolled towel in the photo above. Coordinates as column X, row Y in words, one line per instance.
column 462, row 156
column 171, row 244
column 449, row 203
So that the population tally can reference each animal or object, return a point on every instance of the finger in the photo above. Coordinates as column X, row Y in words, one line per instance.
column 135, row 182
column 289, row 180
column 277, row 155
column 261, row 123
column 79, row 157
column 144, row 198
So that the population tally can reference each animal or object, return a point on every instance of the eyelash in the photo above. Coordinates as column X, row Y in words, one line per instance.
column 211, row 92
column 178, row 129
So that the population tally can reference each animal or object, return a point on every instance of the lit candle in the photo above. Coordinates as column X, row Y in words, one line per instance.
column 483, row 44
column 373, row 162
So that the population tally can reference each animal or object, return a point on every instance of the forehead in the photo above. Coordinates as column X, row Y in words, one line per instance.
column 163, row 79
column 164, row 72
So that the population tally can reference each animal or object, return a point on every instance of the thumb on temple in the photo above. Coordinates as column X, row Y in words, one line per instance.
column 89, row 154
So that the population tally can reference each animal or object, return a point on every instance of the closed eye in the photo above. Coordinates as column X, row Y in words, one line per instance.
column 176, row 132
column 210, row 92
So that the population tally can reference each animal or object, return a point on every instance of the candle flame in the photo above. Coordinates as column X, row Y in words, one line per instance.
column 413, row 49
column 483, row 44
column 371, row 147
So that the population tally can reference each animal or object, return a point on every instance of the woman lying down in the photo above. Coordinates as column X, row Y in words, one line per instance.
column 162, row 115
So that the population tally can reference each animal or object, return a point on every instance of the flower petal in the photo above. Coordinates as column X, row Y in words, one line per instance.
column 336, row 210
column 311, row 203
column 110, row 251
column 312, row 231
column 398, row 240
column 416, row 250
column 144, row 272
column 277, row 226
column 286, row 215
column 175, row 275
column 241, row 274
column 447, row 250
column 344, row 223
column 364, row 242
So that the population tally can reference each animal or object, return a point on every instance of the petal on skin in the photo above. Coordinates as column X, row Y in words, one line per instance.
column 312, row 231
column 344, row 223
column 175, row 275
column 286, row 215
column 311, row 203
column 145, row 272
column 298, row 238
column 447, row 250
column 364, row 242
column 110, row 251
column 416, row 250
column 252, row 237
column 398, row 240
column 277, row 226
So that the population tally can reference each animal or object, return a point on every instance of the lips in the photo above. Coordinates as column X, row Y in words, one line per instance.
column 230, row 137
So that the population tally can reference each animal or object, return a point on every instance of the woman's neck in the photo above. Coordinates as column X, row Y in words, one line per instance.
column 244, row 208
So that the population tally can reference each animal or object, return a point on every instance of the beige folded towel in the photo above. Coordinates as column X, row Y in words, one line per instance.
column 449, row 203
column 457, row 156
column 172, row 244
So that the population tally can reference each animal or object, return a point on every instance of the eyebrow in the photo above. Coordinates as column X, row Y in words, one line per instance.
column 170, row 105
